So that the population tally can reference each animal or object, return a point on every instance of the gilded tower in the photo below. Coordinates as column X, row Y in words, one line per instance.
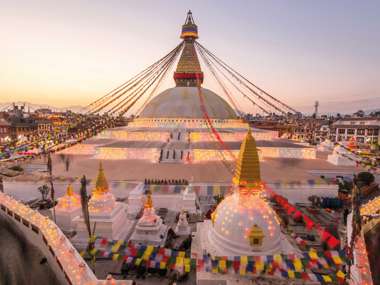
column 101, row 185
column 247, row 171
column 188, row 72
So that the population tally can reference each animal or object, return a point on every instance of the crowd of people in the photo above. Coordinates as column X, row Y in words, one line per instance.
column 166, row 182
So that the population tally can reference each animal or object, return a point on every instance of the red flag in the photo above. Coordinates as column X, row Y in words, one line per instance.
column 104, row 242
column 325, row 235
column 297, row 215
column 309, row 223
column 333, row 242
column 305, row 276
column 236, row 265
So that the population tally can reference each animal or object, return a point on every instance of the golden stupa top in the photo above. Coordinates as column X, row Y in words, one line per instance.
column 189, row 29
column 149, row 202
column 247, row 171
column 188, row 72
column 69, row 190
column 101, row 185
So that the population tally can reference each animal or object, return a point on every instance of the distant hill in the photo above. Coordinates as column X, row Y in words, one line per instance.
column 33, row 107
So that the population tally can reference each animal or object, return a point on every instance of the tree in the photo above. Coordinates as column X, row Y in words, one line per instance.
column 44, row 190
column 359, row 114
column 365, row 179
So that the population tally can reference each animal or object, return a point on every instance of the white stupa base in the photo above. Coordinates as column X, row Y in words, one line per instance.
column 188, row 202
column 155, row 238
column 182, row 230
column 135, row 201
column 340, row 160
column 189, row 206
column 114, row 225
column 206, row 243
column 64, row 218
column 323, row 148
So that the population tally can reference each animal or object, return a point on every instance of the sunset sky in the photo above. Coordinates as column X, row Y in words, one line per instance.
column 67, row 53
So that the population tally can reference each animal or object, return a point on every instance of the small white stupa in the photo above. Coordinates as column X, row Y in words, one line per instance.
column 244, row 223
column 67, row 208
column 107, row 216
column 326, row 146
column 189, row 200
column 150, row 229
column 182, row 228
column 341, row 157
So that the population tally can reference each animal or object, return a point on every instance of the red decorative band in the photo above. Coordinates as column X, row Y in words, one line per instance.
column 188, row 75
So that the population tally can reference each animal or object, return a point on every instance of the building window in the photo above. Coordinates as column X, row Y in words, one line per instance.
column 341, row 131
column 370, row 132
column 351, row 131
column 360, row 140
column 360, row 132
column 376, row 132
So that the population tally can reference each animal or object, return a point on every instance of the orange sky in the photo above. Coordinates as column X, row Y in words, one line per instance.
column 70, row 53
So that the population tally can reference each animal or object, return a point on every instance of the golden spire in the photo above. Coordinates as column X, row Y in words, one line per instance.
column 69, row 190
column 188, row 72
column 247, row 171
column 101, row 185
column 149, row 202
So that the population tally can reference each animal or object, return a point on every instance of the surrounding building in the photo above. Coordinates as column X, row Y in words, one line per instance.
column 365, row 129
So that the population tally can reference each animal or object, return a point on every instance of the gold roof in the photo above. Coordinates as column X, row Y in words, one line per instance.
column 101, row 185
column 69, row 190
column 247, row 171
column 149, row 202
column 189, row 62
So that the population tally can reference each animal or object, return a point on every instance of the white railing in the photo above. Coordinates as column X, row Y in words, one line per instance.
column 69, row 261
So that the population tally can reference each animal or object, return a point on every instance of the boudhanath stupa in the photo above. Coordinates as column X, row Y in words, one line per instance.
column 174, row 128
column 108, row 217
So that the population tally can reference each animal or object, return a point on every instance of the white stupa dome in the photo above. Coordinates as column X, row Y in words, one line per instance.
column 235, row 218
column 184, row 102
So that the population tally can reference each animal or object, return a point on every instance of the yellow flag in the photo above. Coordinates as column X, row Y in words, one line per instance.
column 297, row 265
column 162, row 265
column 277, row 258
column 116, row 246
column 291, row 274
column 187, row 268
column 93, row 251
column 337, row 260
column 327, row 278
column 259, row 265
column 243, row 259
column 138, row 261
column 242, row 271
column 179, row 261
column 313, row 255
column 340, row 274
column 115, row 256
column 181, row 254
column 222, row 264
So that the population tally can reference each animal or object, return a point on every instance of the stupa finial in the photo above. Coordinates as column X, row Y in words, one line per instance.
column 247, row 171
column 69, row 190
column 189, row 29
column 188, row 72
column 149, row 202
column 101, row 185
